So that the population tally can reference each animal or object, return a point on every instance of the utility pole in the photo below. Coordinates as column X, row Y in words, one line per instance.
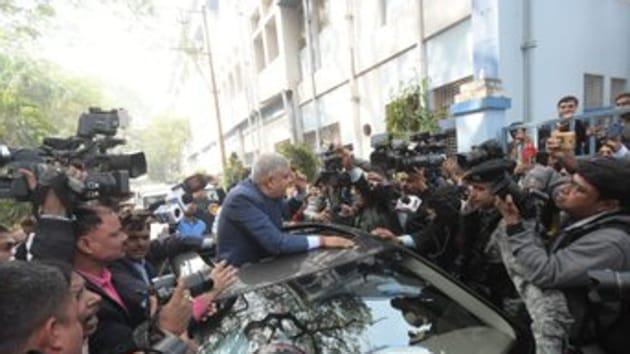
column 215, row 95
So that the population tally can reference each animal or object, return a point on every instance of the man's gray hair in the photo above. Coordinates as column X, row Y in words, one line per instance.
column 267, row 164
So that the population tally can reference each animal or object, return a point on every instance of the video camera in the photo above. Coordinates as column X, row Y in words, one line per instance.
column 488, row 150
column 106, row 175
column 171, row 209
column 423, row 150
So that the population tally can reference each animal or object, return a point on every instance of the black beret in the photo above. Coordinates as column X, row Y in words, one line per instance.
column 609, row 176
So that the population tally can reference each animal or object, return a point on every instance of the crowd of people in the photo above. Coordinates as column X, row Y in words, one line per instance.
column 522, row 228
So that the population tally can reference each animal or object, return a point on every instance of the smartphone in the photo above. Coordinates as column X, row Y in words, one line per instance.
column 567, row 139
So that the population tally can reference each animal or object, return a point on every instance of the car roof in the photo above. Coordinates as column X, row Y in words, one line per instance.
column 287, row 267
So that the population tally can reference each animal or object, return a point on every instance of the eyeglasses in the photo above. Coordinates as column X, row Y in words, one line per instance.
column 8, row 245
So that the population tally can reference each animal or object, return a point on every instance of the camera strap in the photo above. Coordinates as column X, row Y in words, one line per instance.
column 619, row 220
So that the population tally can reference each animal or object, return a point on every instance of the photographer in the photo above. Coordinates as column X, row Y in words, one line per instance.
column 547, row 308
column 340, row 174
column 479, row 264
column 598, row 238
column 369, row 210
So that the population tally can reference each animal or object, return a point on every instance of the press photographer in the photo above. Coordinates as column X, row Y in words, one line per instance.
column 426, row 206
column 598, row 237
column 356, row 190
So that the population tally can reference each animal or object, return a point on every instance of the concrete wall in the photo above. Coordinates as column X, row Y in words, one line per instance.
column 573, row 37
column 449, row 55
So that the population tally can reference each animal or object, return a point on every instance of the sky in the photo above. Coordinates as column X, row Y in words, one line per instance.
column 133, row 56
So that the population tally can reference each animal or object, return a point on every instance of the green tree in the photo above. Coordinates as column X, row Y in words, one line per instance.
column 163, row 141
column 37, row 99
column 408, row 112
column 233, row 172
column 302, row 157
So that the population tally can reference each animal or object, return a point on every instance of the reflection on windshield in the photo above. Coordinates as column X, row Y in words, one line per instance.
column 371, row 306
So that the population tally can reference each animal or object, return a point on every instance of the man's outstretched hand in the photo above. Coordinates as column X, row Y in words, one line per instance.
column 336, row 242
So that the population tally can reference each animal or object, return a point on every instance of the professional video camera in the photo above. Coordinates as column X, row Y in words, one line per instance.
column 609, row 286
column 171, row 209
column 488, row 150
column 195, row 273
column 423, row 150
column 106, row 175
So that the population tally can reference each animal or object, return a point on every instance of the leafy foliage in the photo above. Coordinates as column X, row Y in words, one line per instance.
column 408, row 112
column 162, row 142
column 23, row 19
column 234, row 169
column 301, row 157
column 38, row 100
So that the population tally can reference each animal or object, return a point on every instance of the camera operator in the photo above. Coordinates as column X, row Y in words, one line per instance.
column 340, row 173
column 598, row 237
column 479, row 265
column 430, row 230
column 370, row 211
column 547, row 308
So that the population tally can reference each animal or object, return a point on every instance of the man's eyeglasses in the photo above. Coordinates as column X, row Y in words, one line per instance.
column 8, row 245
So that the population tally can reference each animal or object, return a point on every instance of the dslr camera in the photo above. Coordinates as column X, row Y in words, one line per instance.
column 194, row 272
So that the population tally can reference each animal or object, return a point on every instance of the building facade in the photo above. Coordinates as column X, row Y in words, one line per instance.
column 321, row 71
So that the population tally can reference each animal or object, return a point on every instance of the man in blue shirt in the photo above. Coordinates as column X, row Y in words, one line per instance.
column 190, row 225
column 251, row 217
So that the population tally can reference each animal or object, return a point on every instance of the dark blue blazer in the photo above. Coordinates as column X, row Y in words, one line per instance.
column 250, row 227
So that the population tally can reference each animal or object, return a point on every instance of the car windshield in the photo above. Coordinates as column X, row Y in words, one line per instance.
column 381, row 303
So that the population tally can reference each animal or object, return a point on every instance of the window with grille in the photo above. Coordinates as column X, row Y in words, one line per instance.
column 444, row 96
column 617, row 86
column 259, row 53
column 593, row 91
column 322, row 13
column 272, row 40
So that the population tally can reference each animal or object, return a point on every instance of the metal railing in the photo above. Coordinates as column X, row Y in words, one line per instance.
column 598, row 117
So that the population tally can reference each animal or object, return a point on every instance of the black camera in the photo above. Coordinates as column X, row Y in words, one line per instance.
column 488, row 150
column 194, row 272
column 423, row 150
column 98, row 121
column 609, row 286
column 107, row 175
column 498, row 172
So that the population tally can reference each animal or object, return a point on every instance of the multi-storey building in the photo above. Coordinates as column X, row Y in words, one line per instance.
column 324, row 70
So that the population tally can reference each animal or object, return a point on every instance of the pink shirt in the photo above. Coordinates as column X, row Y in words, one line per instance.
column 104, row 281
column 200, row 307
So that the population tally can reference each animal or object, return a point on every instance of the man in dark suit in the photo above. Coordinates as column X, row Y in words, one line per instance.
column 250, row 222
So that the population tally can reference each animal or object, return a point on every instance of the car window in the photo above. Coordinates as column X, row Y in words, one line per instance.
column 377, row 304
